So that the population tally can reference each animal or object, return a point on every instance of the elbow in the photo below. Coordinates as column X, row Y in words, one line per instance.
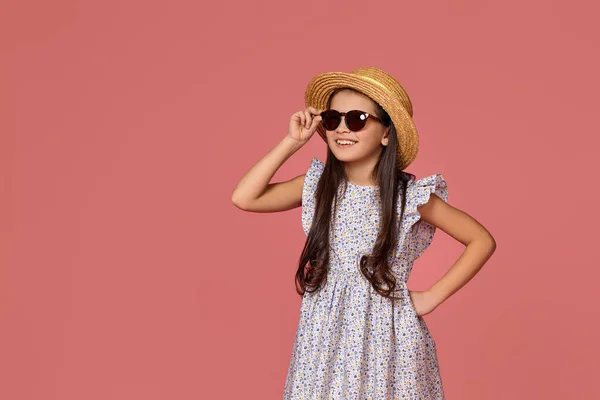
column 491, row 244
column 491, row 241
column 237, row 201
column 484, row 243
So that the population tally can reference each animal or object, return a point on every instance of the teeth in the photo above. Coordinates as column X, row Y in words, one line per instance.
column 345, row 142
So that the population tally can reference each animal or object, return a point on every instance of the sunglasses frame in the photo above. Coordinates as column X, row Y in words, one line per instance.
column 343, row 114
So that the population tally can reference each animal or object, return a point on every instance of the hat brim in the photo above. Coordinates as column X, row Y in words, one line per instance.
column 320, row 88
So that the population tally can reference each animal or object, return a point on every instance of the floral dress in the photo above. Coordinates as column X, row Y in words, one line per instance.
column 352, row 343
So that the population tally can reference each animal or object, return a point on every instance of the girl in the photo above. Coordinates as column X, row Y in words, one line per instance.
column 361, row 333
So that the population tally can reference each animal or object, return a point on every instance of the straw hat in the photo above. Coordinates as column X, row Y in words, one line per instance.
column 380, row 87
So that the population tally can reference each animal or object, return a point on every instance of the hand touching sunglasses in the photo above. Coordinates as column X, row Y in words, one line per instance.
column 355, row 119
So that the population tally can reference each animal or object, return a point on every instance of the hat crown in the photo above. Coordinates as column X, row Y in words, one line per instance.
column 388, row 82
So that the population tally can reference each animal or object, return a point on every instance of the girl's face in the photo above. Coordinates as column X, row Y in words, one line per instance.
column 368, row 141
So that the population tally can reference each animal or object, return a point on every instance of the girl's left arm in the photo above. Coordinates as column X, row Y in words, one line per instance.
column 480, row 245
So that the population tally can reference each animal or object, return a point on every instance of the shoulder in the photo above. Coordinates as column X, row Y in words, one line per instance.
column 420, row 190
column 311, row 178
column 316, row 165
column 434, row 180
column 314, row 172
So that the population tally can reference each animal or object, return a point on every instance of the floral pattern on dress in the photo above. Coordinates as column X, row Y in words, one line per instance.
column 352, row 343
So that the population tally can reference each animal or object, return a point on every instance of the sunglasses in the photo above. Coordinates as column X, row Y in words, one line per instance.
column 355, row 119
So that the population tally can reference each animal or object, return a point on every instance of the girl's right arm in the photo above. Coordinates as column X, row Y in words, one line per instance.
column 255, row 193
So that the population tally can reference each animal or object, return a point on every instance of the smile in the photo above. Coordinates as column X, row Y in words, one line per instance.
column 345, row 142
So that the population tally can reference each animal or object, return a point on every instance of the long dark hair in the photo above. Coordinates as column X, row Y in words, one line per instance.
column 314, row 260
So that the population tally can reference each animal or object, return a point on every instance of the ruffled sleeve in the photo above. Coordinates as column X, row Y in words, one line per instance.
column 308, row 192
column 418, row 233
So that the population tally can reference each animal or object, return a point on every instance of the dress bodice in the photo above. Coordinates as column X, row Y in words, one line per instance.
column 355, row 224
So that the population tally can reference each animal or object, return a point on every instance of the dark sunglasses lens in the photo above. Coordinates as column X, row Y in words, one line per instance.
column 356, row 120
column 331, row 119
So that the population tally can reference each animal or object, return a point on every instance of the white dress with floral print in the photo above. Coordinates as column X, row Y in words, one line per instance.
column 351, row 342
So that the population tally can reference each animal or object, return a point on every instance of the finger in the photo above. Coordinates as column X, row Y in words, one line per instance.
column 316, row 121
column 308, row 119
column 302, row 117
column 314, row 111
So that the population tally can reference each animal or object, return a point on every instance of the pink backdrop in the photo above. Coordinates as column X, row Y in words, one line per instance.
column 125, row 125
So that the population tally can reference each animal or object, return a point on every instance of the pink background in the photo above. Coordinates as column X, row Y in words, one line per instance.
column 126, row 272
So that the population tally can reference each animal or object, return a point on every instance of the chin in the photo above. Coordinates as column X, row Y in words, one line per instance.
column 345, row 156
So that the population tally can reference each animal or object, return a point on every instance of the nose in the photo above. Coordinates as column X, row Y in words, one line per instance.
column 342, row 126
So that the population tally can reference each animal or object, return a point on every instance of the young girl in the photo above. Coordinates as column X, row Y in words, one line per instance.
column 361, row 333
